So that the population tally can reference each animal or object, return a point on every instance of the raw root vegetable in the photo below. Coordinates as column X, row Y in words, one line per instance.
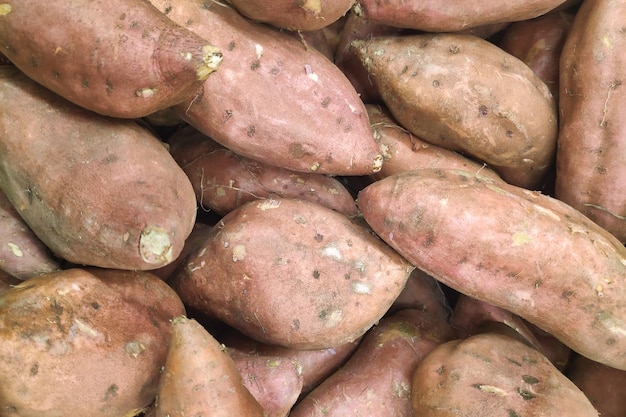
column 336, row 278
column 84, row 342
column 490, row 374
column 275, row 382
column 22, row 254
column 118, row 58
column 315, row 365
column 273, row 99
column 302, row 15
column 538, row 43
column 97, row 191
column 376, row 380
column 403, row 151
column 451, row 15
column 465, row 94
column 199, row 378
column 224, row 180
column 591, row 158
column 603, row 385
column 519, row 250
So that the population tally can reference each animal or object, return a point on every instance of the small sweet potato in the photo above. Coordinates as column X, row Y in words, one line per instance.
column 315, row 365
column 523, row 251
column 199, row 378
column 304, row 15
column 275, row 382
column 118, row 58
column 452, row 15
column 22, row 254
column 84, row 342
column 490, row 374
column 403, row 151
column 293, row 273
column 376, row 380
column 95, row 190
column 224, row 180
column 273, row 99
column 591, row 157
column 603, row 385
column 538, row 43
column 465, row 94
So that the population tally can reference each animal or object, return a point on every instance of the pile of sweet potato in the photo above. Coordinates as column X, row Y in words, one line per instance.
column 312, row 208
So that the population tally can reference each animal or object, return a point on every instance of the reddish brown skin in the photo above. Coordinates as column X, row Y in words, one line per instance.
column 275, row 382
column 108, row 182
column 273, row 99
column 339, row 279
column 603, row 385
column 491, row 374
column 100, row 335
column 315, row 365
column 102, row 53
column 294, row 14
column 422, row 292
column 376, row 380
column 403, row 151
column 538, row 43
column 452, row 15
column 22, row 254
column 7, row 282
column 224, row 180
column 199, row 378
column 551, row 347
column 519, row 250
column 465, row 94
column 591, row 156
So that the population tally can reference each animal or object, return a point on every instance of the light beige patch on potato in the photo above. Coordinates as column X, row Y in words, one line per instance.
column 239, row 253
column 15, row 249
column 5, row 9
column 314, row 6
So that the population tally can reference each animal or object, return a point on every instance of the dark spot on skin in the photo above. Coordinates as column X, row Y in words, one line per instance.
column 600, row 170
column 610, row 341
column 454, row 49
column 111, row 392
column 110, row 159
column 95, row 305
column 509, row 133
column 256, row 64
column 440, row 370
column 316, row 274
column 296, row 324
column 251, row 131
column 227, row 115
column 514, row 362
column 109, row 87
column 525, row 394
column 430, row 239
column 529, row 379
column 404, row 70
column 11, row 409
column 34, row 369
column 123, row 16
column 512, row 413
column 339, row 121
column 567, row 294
column 231, row 45
column 326, row 102
column 84, row 83
column 134, row 25
column 56, row 74
column 296, row 150
column 482, row 110
column 347, row 277
column 168, row 9
column 462, row 260
column 33, row 62
column 318, row 237
column 274, row 71
column 322, row 314
column 436, row 83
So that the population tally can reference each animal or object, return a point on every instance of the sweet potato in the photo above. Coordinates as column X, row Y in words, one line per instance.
column 199, row 378
column 84, row 342
column 603, row 385
column 275, row 382
column 97, row 191
column 273, row 99
column 376, row 380
column 523, row 251
column 314, row 365
column 538, row 43
column 294, row 15
column 7, row 281
column 118, row 58
column 224, row 180
column 452, row 15
column 465, row 94
column 591, row 156
column 403, row 151
column 293, row 273
column 22, row 254
column 490, row 374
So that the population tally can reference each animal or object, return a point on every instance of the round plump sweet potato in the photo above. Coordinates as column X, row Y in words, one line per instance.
column 84, row 342
column 465, row 94
column 591, row 156
column 95, row 190
column 490, row 374
column 293, row 273
column 119, row 58
column 520, row 250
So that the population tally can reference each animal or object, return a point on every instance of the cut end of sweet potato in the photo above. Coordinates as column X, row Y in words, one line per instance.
column 155, row 245
column 211, row 58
